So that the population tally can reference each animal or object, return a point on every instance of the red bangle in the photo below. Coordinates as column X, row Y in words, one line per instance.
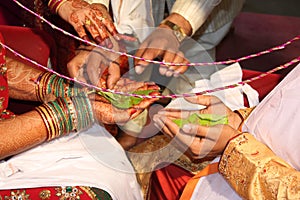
column 54, row 5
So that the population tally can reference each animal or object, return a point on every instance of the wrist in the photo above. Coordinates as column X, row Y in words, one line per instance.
column 65, row 115
column 54, row 5
column 180, row 26
column 181, row 22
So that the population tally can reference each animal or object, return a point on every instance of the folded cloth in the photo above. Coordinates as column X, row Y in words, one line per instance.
column 232, row 97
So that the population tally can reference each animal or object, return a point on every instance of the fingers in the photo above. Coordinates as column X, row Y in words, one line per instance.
column 206, row 100
column 126, row 37
column 76, row 65
column 114, row 74
column 102, row 14
column 174, row 70
column 146, row 54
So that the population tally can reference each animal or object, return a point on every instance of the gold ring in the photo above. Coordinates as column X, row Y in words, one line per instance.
column 87, row 22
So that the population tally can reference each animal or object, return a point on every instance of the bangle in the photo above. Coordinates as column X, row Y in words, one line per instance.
column 177, row 30
column 65, row 115
column 54, row 5
column 244, row 114
column 48, row 83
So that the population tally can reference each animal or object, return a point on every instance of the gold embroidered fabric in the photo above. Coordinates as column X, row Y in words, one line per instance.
column 255, row 172
column 147, row 156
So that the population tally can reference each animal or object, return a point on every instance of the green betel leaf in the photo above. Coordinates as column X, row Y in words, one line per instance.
column 122, row 101
column 202, row 119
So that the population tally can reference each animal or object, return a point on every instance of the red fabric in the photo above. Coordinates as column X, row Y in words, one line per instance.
column 3, row 79
column 168, row 182
column 4, row 96
column 32, row 43
column 51, row 193
column 262, row 86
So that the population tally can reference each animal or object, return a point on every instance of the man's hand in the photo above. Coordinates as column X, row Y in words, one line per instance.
column 164, row 45
column 99, row 67
column 200, row 141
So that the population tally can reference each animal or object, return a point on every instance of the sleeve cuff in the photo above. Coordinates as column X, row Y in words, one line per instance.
column 244, row 160
column 194, row 11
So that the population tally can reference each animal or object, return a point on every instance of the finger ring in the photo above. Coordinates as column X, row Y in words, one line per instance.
column 88, row 22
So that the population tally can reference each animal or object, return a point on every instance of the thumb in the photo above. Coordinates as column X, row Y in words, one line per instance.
column 114, row 75
column 195, row 130
column 205, row 100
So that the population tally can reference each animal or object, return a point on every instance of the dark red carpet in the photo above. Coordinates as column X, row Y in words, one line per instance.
column 253, row 33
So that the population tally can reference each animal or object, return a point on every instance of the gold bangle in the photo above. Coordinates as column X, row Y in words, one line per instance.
column 244, row 114
column 177, row 30
column 54, row 5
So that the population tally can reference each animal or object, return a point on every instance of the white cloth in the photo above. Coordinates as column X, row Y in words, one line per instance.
column 133, row 17
column 233, row 97
column 275, row 122
column 90, row 158
column 104, row 2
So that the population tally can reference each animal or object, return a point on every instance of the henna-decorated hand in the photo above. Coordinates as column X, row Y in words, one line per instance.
column 108, row 111
column 94, row 18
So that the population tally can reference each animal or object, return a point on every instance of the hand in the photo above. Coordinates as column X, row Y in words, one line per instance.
column 200, row 141
column 102, row 67
column 162, row 44
column 107, row 113
column 94, row 18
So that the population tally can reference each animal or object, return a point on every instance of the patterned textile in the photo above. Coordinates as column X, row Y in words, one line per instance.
column 4, row 114
column 59, row 193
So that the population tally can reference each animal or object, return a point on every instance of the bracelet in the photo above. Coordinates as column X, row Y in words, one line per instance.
column 48, row 83
column 65, row 115
column 244, row 114
column 177, row 30
column 54, row 5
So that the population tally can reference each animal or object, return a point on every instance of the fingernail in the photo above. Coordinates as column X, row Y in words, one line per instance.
column 109, row 44
column 176, row 74
column 187, row 128
column 163, row 70
column 117, row 37
column 132, row 111
column 139, row 69
column 98, row 40
column 169, row 73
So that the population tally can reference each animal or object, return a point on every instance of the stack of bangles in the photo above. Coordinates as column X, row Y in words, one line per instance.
column 48, row 83
column 72, row 112
column 54, row 5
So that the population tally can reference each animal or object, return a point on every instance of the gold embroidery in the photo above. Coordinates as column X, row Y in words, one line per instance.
column 68, row 193
column 17, row 195
column 2, row 88
column 3, row 69
column 45, row 194
column 89, row 192
column 2, row 99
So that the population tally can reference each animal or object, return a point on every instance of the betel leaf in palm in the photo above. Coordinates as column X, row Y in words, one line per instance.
column 202, row 119
column 122, row 101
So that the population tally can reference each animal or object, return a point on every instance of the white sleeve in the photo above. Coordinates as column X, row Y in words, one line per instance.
column 194, row 11
column 104, row 2
column 133, row 16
